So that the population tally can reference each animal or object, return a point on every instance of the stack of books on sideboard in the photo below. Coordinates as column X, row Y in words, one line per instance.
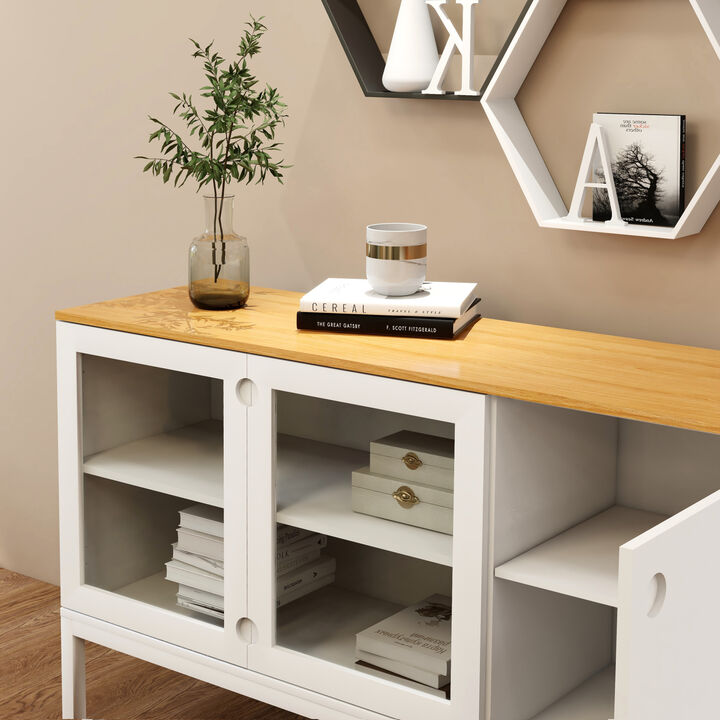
column 415, row 643
column 438, row 310
column 197, row 561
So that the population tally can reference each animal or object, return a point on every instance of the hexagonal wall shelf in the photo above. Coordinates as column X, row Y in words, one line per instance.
column 525, row 159
column 365, row 57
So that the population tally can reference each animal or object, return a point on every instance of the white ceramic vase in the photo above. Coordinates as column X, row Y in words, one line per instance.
column 413, row 53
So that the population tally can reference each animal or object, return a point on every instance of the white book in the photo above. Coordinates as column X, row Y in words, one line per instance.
column 402, row 681
column 314, row 542
column 287, row 534
column 419, row 636
column 185, row 574
column 304, row 590
column 199, row 561
column 305, row 574
column 217, row 602
column 356, row 297
column 204, row 519
column 283, row 566
column 408, row 671
column 200, row 543
column 198, row 608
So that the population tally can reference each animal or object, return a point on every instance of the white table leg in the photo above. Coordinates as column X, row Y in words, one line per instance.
column 73, row 672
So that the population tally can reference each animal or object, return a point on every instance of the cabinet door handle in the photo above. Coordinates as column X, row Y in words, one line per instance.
column 412, row 461
column 405, row 497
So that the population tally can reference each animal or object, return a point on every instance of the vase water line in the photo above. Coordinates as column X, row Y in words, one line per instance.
column 413, row 55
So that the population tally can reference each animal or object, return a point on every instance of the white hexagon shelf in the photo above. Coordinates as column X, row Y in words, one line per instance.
column 525, row 159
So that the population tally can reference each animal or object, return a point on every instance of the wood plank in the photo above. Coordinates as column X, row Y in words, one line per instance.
column 119, row 687
column 593, row 700
column 583, row 561
column 654, row 382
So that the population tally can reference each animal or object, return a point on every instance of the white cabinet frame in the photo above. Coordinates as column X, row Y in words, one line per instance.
column 467, row 412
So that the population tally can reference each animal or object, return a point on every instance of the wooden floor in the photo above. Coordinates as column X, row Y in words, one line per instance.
column 118, row 687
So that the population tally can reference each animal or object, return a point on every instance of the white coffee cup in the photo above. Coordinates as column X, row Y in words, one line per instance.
column 396, row 261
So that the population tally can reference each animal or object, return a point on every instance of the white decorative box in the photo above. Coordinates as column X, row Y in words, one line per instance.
column 416, row 504
column 414, row 457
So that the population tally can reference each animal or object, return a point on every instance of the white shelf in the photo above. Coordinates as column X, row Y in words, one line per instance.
column 324, row 625
column 523, row 154
column 583, row 561
column 186, row 463
column 314, row 493
column 157, row 591
column 593, row 700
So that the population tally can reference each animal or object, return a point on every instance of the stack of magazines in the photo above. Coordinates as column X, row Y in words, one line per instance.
column 413, row 644
column 197, row 561
column 302, row 567
column 438, row 310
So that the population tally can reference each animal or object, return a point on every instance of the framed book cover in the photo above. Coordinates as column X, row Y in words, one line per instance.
column 648, row 161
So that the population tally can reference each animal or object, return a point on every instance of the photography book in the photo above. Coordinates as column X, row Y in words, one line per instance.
column 200, row 543
column 414, row 327
column 355, row 297
column 204, row 519
column 402, row 680
column 199, row 561
column 648, row 163
column 418, row 636
column 305, row 574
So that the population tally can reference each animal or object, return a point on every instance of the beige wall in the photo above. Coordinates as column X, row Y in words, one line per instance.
column 82, row 224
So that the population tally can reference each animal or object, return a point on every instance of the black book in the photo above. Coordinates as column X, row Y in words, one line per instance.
column 414, row 327
column 648, row 165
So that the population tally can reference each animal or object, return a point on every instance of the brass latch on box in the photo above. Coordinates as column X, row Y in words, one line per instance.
column 412, row 461
column 405, row 497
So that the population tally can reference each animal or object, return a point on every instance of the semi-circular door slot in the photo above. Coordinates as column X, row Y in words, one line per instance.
column 658, row 591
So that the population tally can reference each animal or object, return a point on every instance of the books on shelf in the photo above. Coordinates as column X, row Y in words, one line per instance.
column 185, row 574
column 416, row 641
column 202, row 562
column 197, row 563
column 301, row 567
column 200, row 544
column 648, row 163
column 204, row 519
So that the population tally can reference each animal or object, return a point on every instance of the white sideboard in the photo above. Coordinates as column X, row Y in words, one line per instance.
column 583, row 567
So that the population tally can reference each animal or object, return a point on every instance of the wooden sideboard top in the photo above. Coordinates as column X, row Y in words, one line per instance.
column 661, row 383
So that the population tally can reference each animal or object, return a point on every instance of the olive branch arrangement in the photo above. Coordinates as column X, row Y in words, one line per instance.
column 236, row 134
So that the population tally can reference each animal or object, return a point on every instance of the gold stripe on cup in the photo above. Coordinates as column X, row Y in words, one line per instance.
column 395, row 252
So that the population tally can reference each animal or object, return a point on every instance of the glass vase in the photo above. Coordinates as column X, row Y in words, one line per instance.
column 219, row 263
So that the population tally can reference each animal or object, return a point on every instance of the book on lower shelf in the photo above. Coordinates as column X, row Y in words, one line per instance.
column 301, row 566
column 414, row 643
column 197, row 564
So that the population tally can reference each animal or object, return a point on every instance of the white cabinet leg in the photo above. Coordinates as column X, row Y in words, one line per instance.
column 73, row 673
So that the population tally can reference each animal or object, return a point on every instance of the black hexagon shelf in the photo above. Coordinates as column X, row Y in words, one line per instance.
column 366, row 59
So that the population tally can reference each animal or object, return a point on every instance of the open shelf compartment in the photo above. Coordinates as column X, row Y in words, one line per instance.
column 153, row 428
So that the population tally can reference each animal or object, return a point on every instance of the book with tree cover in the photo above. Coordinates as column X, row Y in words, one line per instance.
column 648, row 165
